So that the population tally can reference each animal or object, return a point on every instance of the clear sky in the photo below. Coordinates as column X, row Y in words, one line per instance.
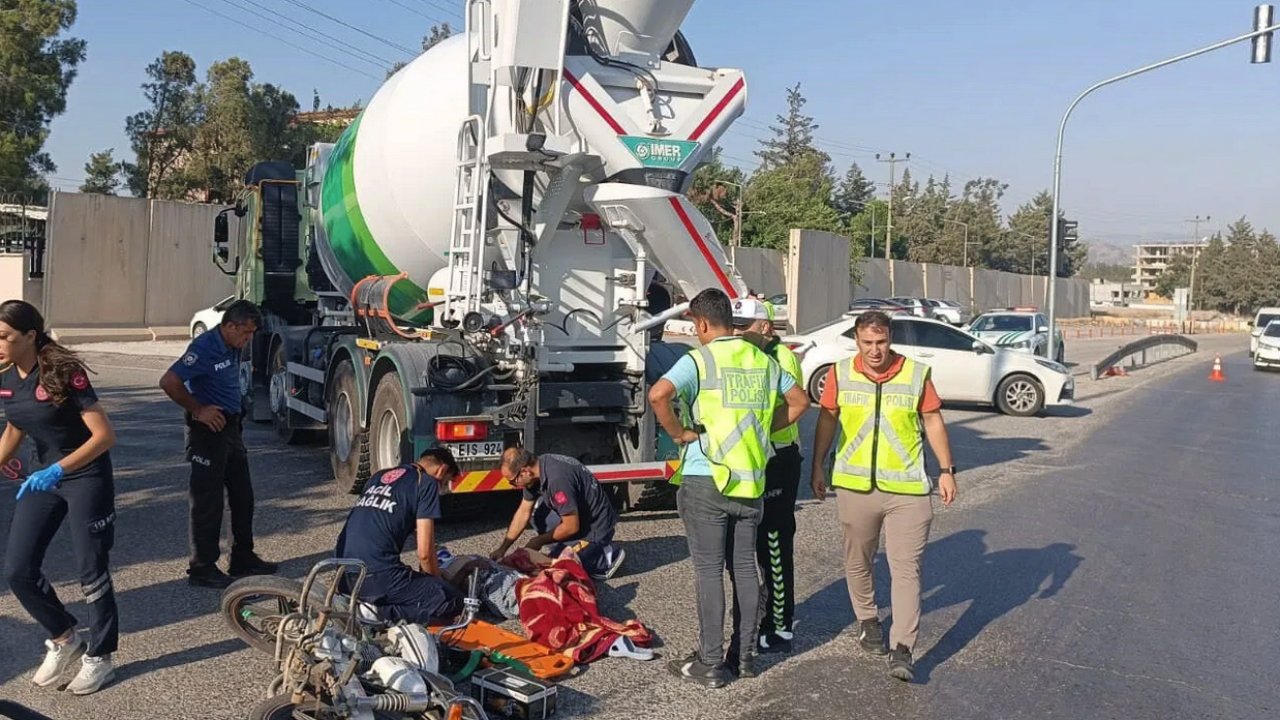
column 971, row 89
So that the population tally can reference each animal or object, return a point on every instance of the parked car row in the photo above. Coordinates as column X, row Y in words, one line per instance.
column 935, row 308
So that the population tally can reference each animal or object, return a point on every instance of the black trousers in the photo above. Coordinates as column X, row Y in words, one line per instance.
column 89, row 503
column 775, row 541
column 219, row 471
column 775, row 546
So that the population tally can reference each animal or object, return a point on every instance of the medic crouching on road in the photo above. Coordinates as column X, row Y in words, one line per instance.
column 569, row 509
column 47, row 397
column 205, row 382
column 398, row 502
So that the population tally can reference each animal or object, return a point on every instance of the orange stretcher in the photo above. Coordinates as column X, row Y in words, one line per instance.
column 541, row 661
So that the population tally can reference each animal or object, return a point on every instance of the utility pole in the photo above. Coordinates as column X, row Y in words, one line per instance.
column 1195, row 255
column 888, row 239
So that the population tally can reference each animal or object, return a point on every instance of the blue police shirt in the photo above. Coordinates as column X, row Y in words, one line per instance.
column 386, row 514
column 211, row 371
column 684, row 375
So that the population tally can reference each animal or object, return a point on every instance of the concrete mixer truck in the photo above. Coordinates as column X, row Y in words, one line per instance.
column 469, row 264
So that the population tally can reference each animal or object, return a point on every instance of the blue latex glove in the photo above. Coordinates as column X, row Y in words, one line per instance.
column 42, row 480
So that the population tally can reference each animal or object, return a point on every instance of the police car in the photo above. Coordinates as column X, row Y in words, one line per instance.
column 1019, row 328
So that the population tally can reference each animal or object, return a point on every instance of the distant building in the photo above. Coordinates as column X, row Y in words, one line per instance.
column 1113, row 294
column 1151, row 259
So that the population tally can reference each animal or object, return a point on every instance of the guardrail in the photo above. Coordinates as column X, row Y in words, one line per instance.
column 1151, row 349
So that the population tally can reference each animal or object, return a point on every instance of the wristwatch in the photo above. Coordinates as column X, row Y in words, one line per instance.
column 951, row 470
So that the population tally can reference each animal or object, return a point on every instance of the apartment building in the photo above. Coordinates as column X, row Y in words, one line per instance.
column 1150, row 259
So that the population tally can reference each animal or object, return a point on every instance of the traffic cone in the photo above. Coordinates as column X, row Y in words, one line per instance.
column 1217, row 375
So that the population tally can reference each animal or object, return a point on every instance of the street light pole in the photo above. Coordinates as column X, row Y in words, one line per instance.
column 1261, row 35
column 888, row 240
column 1195, row 255
column 966, row 238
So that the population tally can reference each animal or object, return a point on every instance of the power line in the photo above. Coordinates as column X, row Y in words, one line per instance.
column 416, row 11
column 381, row 62
column 453, row 11
column 279, row 40
column 349, row 26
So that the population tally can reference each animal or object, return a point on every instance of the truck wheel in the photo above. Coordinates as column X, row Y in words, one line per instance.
column 279, row 389
column 348, row 443
column 388, row 423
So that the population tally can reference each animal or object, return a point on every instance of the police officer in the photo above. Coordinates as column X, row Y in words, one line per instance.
column 47, row 397
column 879, row 400
column 775, row 538
column 729, row 391
column 396, row 503
column 205, row 382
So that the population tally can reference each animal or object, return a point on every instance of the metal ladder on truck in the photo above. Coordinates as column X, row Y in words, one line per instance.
column 466, row 243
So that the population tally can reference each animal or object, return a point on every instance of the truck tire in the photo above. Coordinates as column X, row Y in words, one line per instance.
column 348, row 442
column 277, row 386
column 388, row 423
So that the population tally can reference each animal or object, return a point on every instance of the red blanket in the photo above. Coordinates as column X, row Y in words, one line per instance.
column 558, row 609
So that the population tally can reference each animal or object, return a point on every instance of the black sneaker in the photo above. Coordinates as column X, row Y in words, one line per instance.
column 900, row 665
column 871, row 636
column 740, row 667
column 209, row 577
column 692, row 668
column 252, row 565
column 774, row 643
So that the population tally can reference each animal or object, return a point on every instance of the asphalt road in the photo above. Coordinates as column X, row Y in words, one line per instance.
column 1102, row 562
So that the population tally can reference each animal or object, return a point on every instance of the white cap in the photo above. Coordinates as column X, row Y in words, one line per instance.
column 749, row 310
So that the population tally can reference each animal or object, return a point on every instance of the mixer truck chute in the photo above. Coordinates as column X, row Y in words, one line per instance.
column 487, row 231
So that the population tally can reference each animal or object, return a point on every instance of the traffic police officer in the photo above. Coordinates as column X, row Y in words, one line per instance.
column 775, row 539
column 205, row 382
column 47, row 397
column 878, row 400
column 729, row 391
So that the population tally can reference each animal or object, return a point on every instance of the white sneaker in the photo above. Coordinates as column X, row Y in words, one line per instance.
column 58, row 659
column 614, row 563
column 94, row 673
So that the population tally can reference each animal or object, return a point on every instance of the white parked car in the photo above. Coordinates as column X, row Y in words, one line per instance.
column 209, row 317
column 949, row 310
column 964, row 368
column 1267, row 354
column 1260, row 322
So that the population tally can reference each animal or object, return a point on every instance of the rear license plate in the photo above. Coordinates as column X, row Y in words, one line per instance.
column 475, row 450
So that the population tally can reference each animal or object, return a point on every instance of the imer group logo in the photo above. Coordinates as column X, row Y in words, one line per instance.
column 654, row 152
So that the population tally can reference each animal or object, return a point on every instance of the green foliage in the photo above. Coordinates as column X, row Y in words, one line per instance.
column 853, row 193
column 435, row 36
column 163, row 135
column 796, row 194
column 1109, row 272
column 37, row 66
column 793, row 137
column 715, row 191
column 1177, row 274
column 102, row 173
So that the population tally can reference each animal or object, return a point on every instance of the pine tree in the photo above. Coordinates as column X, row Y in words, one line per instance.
column 793, row 136
column 854, row 192
column 102, row 173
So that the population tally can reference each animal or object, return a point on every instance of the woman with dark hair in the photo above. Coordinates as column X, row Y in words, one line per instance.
column 46, row 395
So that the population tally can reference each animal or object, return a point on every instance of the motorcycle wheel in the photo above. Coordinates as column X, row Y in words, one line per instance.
column 254, row 607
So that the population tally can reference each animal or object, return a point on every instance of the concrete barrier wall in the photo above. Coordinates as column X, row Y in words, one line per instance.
column 129, row 262
column 818, row 282
column 763, row 269
column 181, row 276
column 96, row 261
column 13, row 277
column 980, row 288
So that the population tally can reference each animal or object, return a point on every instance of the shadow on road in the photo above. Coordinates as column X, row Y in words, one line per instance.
column 977, row 449
column 958, row 569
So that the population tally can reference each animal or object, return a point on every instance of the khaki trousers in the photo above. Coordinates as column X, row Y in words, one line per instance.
column 906, row 520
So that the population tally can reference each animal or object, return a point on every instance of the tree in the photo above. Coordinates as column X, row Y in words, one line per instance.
column 102, row 173
column 793, row 136
column 854, row 192
column 713, row 197
column 437, row 34
column 794, row 195
column 1176, row 274
column 37, row 66
column 1108, row 272
column 163, row 135
column 1024, row 247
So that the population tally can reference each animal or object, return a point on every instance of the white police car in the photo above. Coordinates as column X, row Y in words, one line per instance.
column 1022, row 329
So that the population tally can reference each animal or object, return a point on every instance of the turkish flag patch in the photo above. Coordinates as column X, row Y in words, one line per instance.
column 560, row 498
column 6, row 393
column 79, row 381
column 41, row 394
column 391, row 476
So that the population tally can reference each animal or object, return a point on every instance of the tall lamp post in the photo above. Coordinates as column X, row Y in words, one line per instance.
column 1261, row 37
column 966, row 238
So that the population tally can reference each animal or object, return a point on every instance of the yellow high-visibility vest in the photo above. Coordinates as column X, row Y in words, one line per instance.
column 737, row 393
column 881, row 441
column 790, row 363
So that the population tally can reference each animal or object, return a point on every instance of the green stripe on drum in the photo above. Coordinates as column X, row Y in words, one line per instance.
column 352, row 243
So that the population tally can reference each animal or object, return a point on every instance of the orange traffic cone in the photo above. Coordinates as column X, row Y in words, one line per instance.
column 1217, row 375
